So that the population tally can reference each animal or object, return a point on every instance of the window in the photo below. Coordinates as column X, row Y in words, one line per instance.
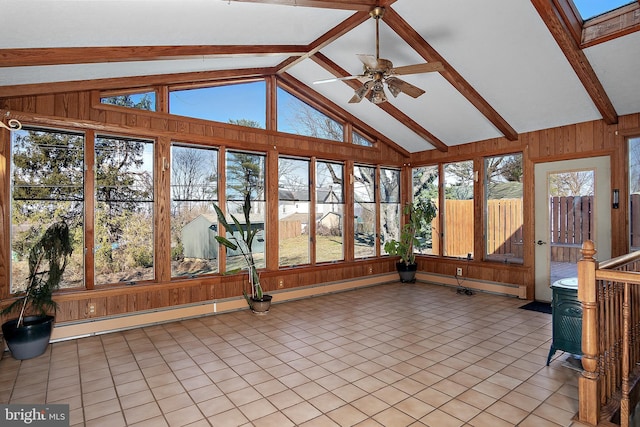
column 123, row 210
column 141, row 101
column 242, row 104
column 364, row 196
column 425, row 187
column 360, row 139
column 458, row 209
column 389, row 205
column 503, row 208
column 297, row 117
column 293, row 211
column 194, row 225
column 590, row 8
column 47, row 185
column 245, row 174
column 329, row 211
column 634, row 193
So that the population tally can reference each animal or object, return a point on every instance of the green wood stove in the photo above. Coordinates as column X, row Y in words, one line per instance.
column 566, row 317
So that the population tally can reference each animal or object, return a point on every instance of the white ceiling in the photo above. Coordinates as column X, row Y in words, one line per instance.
column 502, row 48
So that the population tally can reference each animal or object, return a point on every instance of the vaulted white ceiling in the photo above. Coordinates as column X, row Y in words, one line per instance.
column 502, row 49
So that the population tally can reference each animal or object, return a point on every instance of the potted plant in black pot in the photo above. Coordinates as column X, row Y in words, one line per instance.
column 28, row 335
column 419, row 215
column 242, row 239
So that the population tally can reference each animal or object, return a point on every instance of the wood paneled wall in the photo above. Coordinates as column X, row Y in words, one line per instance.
column 80, row 110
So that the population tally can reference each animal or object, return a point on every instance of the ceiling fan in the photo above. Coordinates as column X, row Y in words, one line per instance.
column 379, row 71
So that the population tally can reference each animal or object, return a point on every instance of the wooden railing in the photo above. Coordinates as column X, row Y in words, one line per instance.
column 610, row 295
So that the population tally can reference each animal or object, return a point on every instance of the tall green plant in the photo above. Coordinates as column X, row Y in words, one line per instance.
column 53, row 249
column 419, row 215
column 244, row 243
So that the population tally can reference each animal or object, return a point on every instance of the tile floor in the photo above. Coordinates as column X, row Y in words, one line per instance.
column 389, row 355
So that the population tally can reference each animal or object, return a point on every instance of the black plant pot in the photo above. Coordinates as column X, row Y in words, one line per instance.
column 407, row 272
column 29, row 340
column 261, row 306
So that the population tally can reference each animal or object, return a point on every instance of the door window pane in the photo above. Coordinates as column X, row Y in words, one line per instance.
column 329, row 211
column 634, row 193
column 47, row 185
column 458, row 209
column 123, row 210
column 194, row 225
column 293, row 211
column 426, row 187
column 503, row 208
column 364, row 197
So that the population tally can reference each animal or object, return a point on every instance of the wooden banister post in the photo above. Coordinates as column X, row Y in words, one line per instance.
column 589, row 382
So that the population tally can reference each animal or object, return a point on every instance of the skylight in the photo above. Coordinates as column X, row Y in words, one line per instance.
column 591, row 8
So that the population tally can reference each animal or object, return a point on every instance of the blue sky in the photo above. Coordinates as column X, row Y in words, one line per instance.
column 590, row 8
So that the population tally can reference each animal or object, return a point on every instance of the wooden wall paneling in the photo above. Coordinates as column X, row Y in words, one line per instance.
column 115, row 305
column 478, row 210
column 45, row 104
column 5, row 214
column 66, row 104
column 162, row 209
column 272, row 218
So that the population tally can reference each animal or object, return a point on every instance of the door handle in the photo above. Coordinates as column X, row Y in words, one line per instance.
column 540, row 242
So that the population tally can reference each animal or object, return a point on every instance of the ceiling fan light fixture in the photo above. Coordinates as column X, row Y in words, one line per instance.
column 393, row 88
column 377, row 95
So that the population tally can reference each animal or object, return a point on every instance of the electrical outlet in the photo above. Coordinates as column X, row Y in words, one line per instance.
column 370, row 269
column 92, row 309
column 281, row 283
column 459, row 271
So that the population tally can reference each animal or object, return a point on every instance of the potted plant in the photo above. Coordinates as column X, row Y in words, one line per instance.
column 28, row 336
column 243, row 240
column 419, row 215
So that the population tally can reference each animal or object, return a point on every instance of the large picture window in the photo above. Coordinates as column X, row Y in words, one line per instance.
column 47, row 185
column 246, row 176
column 364, row 197
column 329, row 211
column 458, row 209
column 503, row 208
column 123, row 210
column 294, row 205
column 426, row 187
column 194, row 225
column 389, row 205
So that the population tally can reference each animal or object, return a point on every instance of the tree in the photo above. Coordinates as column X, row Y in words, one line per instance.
column 128, row 101
column 246, row 122
column 579, row 183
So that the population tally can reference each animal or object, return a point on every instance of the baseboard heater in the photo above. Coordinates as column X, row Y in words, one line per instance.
column 90, row 327
column 499, row 288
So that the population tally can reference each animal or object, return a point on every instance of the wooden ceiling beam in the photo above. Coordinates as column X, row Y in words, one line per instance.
column 361, row 5
column 330, row 36
column 130, row 82
column 90, row 55
column 318, row 101
column 425, row 50
column 552, row 18
column 389, row 108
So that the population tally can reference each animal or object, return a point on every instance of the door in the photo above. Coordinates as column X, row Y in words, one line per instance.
column 578, row 213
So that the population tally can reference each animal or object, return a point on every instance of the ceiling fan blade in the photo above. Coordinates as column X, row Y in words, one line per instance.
column 396, row 86
column 369, row 61
column 418, row 68
column 337, row 79
column 360, row 93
